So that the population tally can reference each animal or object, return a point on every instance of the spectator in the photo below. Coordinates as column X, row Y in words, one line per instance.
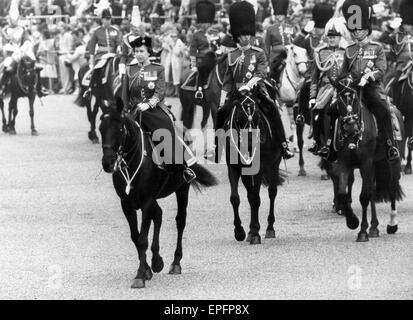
column 47, row 59
column 65, row 47
column 77, row 58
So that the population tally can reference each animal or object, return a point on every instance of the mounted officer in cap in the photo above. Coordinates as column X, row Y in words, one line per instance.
column 400, row 36
column 201, row 55
column 103, row 45
column 17, row 44
column 145, row 84
column 328, row 59
column 278, row 36
column 310, row 37
column 365, row 62
column 248, row 65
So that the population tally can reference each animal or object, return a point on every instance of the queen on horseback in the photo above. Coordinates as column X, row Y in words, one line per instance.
column 145, row 86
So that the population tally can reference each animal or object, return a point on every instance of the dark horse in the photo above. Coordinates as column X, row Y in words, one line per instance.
column 125, row 150
column 212, row 94
column 359, row 146
column 256, row 162
column 103, row 92
column 402, row 93
column 23, row 84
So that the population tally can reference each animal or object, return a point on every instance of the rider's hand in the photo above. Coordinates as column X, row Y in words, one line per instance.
column 309, row 26
column 194, row 69
column 143, row 106
column 362, row 82
column 122, row 69
column 311, row 103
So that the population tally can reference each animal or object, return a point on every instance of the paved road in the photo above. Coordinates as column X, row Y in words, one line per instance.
column 63, row 235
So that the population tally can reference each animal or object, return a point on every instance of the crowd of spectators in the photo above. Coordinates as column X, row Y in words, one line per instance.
column 60, row 30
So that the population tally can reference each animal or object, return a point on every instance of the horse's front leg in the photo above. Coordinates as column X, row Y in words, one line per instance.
column 367, row 174
column 300, row 140
column 12, row 114
column 31, row 113
column 144, row 272
column 408, row 125
column 392, row 227
column 234, row 173
column 253, row 185
column 343, row 197
column 4, row 128
column 157, row 261
column 91, row 115
column 182, row 200
column 272, row 194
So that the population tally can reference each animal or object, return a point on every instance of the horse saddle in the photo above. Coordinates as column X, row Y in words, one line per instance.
column 190, row 83
column 102, row 64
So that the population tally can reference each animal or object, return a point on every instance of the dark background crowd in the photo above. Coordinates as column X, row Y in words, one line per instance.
column 60, row 30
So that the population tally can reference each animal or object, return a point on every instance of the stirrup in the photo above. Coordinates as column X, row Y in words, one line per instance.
column 324, row 152
column 87, row 94
column 189, row 175
column 300, row 119
column 286, row 153
column 393, row 153
column 314, row 148
column 199, row 94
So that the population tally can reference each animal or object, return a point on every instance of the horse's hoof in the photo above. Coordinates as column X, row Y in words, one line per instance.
column 95, row 141
column 34, row 133
column 270, row 234
column 374, row 233
column 324, row 177
column 255, row 239
column 362, row 237
column 302, row 173
column 340, row 212
column 12, row 131
column 93, row 137
column 138, row 284
column 175, row 269
column 352, row 222
column 5, row 128
column 239, row 234
column 408, row 170
column 392, row 229
column 157, row 265
column 249, row 237
column 148, row 274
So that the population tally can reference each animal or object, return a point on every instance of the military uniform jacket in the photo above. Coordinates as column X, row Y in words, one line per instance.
column 309, row 42
column 243, row 65
column 145, row 83
column 359, row 60
column 276, row 39
column 328, row 62
column 402, row 46
column 104, row 40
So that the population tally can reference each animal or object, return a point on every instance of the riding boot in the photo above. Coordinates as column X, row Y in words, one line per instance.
column 4, row 82
column 279, row 129
column 199, row 94
column 327, row 152
column 41, row 91
column 189, row 160
column 88, row 93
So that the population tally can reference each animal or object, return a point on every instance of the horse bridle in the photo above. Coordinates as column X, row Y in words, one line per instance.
column 121, row 164
column 19, row 80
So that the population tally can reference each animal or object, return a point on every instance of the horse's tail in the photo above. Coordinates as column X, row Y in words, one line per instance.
column 388, row 186
column 268, row 175
column 204, row 178
column 188, row 107
column 80, row 101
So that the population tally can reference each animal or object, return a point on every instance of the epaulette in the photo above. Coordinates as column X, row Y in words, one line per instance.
column 115, row 27
column 319, row 48
column 233, row 49
column 95, row 28
column 349, row 50
column 257, row 49
column 133, row 62
column 154, row 63
column 376, row 43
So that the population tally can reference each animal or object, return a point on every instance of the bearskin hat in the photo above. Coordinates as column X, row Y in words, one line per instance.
column 322, row 12
column 242, row 19
column 205, row 11
column 406, row 11
column 142, row 41
column 280, row 7
column 352, row 9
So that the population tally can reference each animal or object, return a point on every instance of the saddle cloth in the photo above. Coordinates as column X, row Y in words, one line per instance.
column 103, row 62
column 190, row 83
column 407, row 71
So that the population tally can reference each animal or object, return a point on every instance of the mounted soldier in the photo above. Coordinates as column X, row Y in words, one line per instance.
column 248, row 65
column 365, row 62
column 103, row 45
column 328, row 59
column 311, row 36
column 201, row 56
column 278, row 36
column 18, row 45
column 401, row 41
column 145, row 83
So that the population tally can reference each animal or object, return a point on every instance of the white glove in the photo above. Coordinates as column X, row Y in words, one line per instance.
column 194, row 69
column 396, row 23
column 311, row 103
column 223, row 98
column 363, row 82
column 143, row 106
column 309, row 26
column 122, row 69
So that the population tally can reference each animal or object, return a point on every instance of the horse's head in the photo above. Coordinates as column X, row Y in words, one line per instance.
column 297, row 58
column 348, row 106
column 27, row 72
column 113, row 131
